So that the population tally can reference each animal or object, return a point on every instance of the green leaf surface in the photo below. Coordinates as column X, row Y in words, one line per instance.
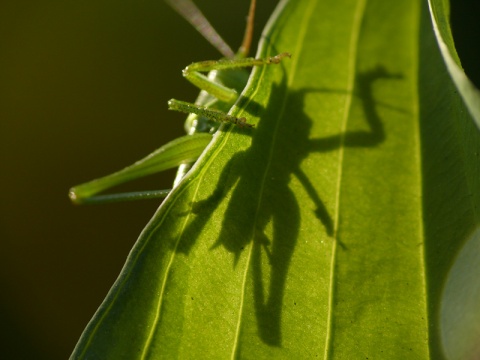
column 331, row 228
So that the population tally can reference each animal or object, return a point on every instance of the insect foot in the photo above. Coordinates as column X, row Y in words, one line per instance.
column 277, row 58
column 242, row 122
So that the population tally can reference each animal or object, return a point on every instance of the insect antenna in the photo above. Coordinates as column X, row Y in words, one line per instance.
column 190, row 12
column 247, row 37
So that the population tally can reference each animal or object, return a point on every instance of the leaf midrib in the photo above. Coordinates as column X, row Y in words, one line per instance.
column 353, row 52
column 293, row 68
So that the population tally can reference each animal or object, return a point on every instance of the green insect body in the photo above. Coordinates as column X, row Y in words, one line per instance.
column 220, row 82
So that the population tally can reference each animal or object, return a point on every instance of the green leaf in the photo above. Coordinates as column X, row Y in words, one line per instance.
column 331, row 228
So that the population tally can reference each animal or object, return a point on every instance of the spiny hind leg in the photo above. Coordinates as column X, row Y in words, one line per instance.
column 215, row 115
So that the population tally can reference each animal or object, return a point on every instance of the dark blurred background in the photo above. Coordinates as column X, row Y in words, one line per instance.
column 83, row 92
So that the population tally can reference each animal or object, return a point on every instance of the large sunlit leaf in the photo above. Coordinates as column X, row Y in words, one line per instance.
column 330, row 229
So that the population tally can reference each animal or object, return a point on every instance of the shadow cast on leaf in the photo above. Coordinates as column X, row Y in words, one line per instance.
column 280, row 143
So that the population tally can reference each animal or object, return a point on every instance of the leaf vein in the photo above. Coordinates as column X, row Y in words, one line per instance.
column 353, row 52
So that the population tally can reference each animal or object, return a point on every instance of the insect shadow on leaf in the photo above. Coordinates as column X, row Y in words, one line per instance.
column 266, row 196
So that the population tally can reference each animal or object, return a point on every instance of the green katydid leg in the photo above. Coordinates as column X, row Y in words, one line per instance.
column 193, row 74
column 214, row 115
column 220, row 89
column 179, row 151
